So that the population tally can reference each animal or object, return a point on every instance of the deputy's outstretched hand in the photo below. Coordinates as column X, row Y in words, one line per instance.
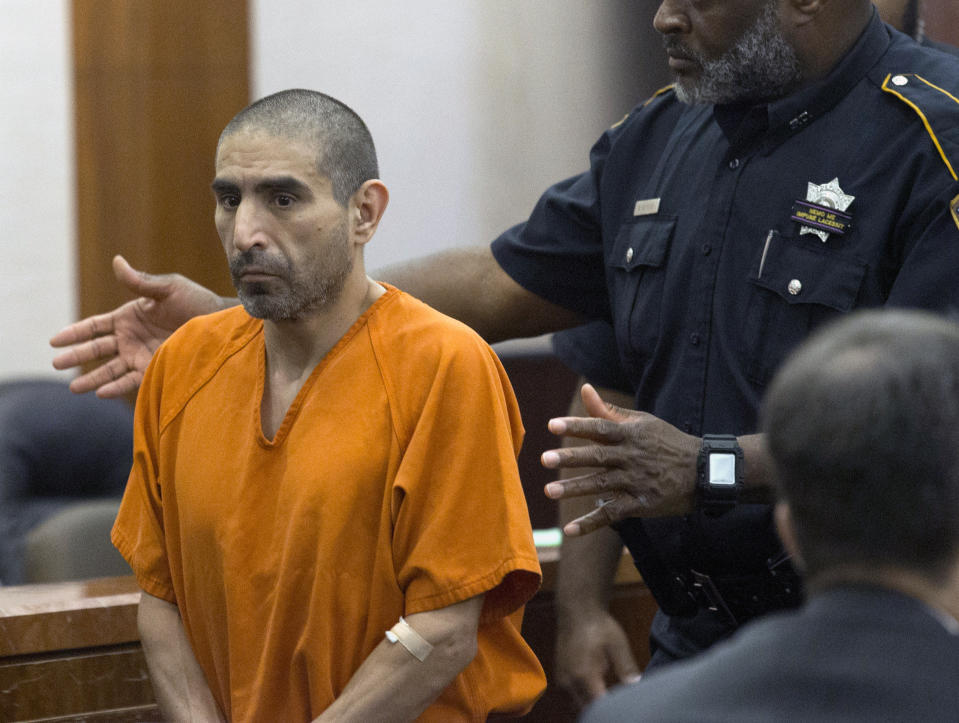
column 123, row 340
column 649, row 466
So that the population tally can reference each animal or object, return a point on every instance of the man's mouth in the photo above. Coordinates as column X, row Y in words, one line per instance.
column 680, row 58
column 252, row 273
column 681, row 63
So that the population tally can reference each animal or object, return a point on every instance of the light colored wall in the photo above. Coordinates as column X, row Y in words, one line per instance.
column 37, row 292
column 475, row 105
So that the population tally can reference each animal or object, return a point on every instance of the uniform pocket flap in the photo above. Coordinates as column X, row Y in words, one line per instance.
column 643, row 242
column 804, row 275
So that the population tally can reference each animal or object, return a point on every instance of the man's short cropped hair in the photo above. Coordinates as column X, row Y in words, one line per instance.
column 344, row 147
column 862, row 424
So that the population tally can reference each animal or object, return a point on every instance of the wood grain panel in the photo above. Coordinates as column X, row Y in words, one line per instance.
column 71, row 651
column 942, row 20
column 74, row 683
column 44, row 618
column 155, row 82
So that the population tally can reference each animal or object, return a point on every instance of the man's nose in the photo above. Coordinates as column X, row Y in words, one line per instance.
column 248, row 226
column 671, row 17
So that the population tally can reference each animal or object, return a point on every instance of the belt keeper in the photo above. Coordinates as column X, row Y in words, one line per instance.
column 404, row 634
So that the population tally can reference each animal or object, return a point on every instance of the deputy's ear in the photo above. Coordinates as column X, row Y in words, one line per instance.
column 367, row 206
column 787, row 532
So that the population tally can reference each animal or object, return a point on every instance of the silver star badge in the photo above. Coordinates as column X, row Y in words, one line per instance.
column 829, row 195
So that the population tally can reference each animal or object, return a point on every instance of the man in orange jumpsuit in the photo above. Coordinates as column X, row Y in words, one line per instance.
column 302, row 465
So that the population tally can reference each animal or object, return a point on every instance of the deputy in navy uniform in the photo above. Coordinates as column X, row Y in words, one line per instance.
column 804, row 165
column 863, row 426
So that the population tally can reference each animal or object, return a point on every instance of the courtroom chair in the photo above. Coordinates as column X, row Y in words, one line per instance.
column 74, row 544
column 57, row 449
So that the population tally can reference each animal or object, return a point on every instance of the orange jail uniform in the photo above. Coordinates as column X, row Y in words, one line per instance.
column 390, row 488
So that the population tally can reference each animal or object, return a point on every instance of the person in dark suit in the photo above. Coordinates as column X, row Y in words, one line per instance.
column 862, row 428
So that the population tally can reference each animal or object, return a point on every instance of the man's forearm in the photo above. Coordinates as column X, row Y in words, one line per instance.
column 468, row 284
column 178, row 682
column 587, row 565
column 393, row 685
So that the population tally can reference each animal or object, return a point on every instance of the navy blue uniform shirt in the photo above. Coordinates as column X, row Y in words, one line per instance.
column 683, row 235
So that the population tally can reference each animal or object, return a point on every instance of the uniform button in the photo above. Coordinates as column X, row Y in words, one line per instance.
column 734, row 164
column 694, row 339
column 629, row 255
column 706, row 249
column 794, row 287
column 899, row 80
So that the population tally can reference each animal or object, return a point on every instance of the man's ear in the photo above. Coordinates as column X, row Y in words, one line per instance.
column 787, row 532
column 367, row 206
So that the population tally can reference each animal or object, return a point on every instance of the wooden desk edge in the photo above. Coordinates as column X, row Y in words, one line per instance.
column 91, row 613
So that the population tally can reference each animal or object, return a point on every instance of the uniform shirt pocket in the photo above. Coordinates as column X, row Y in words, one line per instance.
column 636, row 272
column 797, row 286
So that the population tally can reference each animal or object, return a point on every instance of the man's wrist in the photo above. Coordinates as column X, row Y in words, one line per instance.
column 720, row 473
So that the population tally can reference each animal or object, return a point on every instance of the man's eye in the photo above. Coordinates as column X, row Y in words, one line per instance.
column 284, row 201
column 229, row 201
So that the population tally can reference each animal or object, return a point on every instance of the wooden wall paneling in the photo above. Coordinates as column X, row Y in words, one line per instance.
column 78, row 682
column 942, row 20
column 155, row 82
column 71, row 651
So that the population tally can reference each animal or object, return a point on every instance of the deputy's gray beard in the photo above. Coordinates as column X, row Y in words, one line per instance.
column 761, row 65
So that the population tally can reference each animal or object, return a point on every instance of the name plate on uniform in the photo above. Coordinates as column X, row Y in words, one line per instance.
column 821, row 217
column 646, row 207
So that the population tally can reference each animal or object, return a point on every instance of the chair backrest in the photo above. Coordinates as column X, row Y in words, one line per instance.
column 74, row 544
column 56, row 449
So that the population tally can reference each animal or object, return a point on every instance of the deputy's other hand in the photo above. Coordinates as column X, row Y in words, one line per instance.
column 123, row 340
column 592, row 653
column 648, row 466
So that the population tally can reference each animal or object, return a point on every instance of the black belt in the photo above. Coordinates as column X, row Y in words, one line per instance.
column 739, row 598
column 736, row 597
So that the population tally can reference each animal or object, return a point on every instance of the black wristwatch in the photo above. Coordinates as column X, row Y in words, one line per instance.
column 720, row 472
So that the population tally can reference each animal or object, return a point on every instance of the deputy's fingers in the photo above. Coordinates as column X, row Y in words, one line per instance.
column 605, row 513
column 591, row 455
column 83, row 330
column 129, row 382
column 105, row 374
column 101, row 347
column 597, row 483
column 596, row 406
column 154, row 286
column 594, row 687
column 598, row 430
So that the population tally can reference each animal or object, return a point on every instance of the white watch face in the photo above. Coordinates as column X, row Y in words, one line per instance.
column 722, row 469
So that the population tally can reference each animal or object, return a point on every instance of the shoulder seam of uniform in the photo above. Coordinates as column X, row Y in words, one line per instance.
column 397, row 424
column 654, row 96
column 646, row 102
column 226, row 352
column 925, row 120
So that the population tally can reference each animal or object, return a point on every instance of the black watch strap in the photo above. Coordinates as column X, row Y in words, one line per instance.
column 720, row 472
